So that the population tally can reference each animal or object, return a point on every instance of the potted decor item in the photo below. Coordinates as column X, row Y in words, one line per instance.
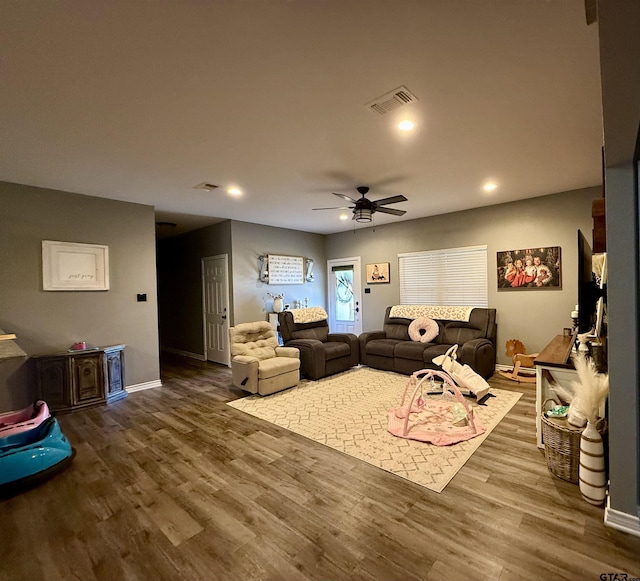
column 277, row 302
column 589, row 397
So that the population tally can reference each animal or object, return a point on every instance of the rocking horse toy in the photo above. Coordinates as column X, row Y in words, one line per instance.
column 523, row 369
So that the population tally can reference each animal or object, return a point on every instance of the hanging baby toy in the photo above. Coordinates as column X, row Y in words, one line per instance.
column 442, row 421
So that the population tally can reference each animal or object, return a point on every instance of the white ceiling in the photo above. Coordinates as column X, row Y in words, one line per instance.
column 140, row 101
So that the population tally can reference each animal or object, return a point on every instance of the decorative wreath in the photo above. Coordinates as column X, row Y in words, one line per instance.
column 423, row 329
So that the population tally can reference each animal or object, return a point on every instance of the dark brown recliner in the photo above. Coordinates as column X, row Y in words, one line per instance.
column 321, row 353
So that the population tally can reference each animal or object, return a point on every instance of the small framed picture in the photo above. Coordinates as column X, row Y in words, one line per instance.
column 378, row 273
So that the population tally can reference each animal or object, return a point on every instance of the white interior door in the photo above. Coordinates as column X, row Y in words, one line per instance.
column 216, row 308
column 344, row 292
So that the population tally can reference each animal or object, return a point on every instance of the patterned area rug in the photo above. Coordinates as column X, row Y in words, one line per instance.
column 348, row 412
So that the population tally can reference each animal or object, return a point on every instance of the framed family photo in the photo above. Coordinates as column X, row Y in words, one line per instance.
column 378, row 273
column 530, row 268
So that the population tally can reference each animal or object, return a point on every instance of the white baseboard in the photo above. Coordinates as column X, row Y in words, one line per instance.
column 198, row 356
column 142, row 386
column 622, row 521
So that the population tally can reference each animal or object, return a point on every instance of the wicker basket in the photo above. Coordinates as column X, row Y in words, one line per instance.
column 562, row 445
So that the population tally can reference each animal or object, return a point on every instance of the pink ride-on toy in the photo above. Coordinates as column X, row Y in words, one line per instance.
column 19, row 421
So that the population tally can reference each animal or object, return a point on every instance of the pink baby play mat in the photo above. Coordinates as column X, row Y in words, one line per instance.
column 443, row 420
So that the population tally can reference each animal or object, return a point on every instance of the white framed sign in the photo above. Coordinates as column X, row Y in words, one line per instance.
column 285, row 269
column 72, row 266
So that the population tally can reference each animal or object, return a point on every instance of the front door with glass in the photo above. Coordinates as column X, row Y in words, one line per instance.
column 345, row 314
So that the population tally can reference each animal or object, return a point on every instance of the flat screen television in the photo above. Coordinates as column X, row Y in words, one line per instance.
column 590, row 293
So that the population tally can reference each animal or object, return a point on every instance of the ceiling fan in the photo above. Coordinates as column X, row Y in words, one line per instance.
column 364, row 208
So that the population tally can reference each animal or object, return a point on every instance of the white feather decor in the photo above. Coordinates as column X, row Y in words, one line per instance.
column 591, row 391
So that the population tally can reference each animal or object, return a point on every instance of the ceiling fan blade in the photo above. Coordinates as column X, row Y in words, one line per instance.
column 391, row 200
column 345, row 198
column 391, row 211
column 335, row 208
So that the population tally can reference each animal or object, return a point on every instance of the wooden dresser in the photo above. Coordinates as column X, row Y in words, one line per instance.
column 71, row 380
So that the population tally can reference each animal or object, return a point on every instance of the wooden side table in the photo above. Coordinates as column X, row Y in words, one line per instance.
column 553, row 368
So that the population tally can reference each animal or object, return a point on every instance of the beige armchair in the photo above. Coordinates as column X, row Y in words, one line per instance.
column 258, row 364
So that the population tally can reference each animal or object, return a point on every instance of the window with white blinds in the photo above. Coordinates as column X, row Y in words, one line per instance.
column 453, row 276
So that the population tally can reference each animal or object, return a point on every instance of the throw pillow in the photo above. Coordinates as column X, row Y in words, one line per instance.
column 423, row 329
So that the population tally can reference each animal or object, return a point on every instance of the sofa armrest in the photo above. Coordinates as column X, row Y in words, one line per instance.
column 288, row 352
column 370, row 335
column 312, row 357
column 245, row 359
column 480, row 355
column 364, row 338
column 244, row 372
column 342, row 337
column 351, row 340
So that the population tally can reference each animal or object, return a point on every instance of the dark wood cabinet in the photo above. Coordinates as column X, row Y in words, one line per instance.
column 53, row 381
column 114, row 358
column 87, row 380
column 78, row 379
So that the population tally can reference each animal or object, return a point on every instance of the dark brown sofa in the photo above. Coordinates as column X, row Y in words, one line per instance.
column 321, row 353
column 393, row 350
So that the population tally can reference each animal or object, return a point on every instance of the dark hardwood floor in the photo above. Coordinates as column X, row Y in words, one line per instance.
column 171, row 483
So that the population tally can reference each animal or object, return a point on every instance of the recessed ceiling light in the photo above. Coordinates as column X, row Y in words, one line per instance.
column 234, row 191
column 406, row 125
column 490, row 186
column 344, row 217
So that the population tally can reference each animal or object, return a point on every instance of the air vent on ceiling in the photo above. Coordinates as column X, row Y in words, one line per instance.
column 392, row 100
column 205, row 186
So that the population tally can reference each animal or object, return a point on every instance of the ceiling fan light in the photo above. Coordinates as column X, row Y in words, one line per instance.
column 362, row 214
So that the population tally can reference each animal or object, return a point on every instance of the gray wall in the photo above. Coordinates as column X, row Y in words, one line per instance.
column 251, row 299
column 531, row 315
column 180, row 284
column 619, row 27
column 46, row 321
